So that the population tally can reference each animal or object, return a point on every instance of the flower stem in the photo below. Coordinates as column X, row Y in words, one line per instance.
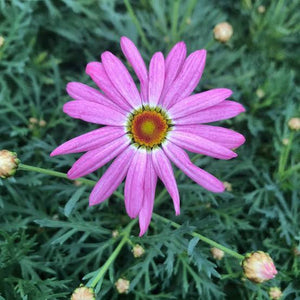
column 137, row 24
column 202, row 238
column 284, row 155
column 113, row 256
column 189, row 11
column 129, row 226
column 174, row 20
column 24, row 167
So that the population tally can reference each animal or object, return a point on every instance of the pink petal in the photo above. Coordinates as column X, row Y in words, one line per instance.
column 182, row 161
column 97, row 72
column 197, row 102
column 187, row 79
column 225, row 110
column 174, row 63
column 135, row 59
column 134, row 184
column 95, row 159
column 164, row 171
column 149, row 195
column 197, row 144
column 112, row 178
column 121, row 79
column 89, row 141
column 94, row 113
column 156, row 77
column 222, row 136
column 80, row 91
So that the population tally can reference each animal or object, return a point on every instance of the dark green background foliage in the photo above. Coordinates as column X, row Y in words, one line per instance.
column 49, row 237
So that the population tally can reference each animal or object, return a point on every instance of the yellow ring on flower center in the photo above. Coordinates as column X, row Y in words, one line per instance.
column 148, row 127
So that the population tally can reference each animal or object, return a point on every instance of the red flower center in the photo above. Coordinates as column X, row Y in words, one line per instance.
column 149, row 128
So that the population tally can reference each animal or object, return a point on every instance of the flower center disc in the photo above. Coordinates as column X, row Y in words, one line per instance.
column 148, row 128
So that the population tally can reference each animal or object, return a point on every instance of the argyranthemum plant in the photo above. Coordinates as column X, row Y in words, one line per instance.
column 146, row 130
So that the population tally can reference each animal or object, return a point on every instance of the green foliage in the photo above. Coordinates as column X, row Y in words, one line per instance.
column 51, row 241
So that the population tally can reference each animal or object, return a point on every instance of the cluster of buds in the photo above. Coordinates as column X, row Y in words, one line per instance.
column 259, row 267
column 122, row 285
column 33, row 122
column 138, row 251
column 217, row 253
column 223, row 32
column 83, row 293
column 8, row 163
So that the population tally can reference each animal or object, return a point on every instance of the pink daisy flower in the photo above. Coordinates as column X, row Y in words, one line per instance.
column 146, row 130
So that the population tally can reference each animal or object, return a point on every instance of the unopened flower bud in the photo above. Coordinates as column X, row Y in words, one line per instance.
column 77, row 183
column 115, row 234
column 259, row 267
column 261, row 9
column 166, row 39
column 275, row 293
column 188, row 21
column 1, row 41
column 228, row 186
column 8, row 163
column 285, row 141
column 138, row 251
column 217, row 253
column 33, row 120
column 42, row 123
column 260, row 93
column 83, row 293
column 122, row 285
column 296, row 251
column 223, row 32
column 294, row 123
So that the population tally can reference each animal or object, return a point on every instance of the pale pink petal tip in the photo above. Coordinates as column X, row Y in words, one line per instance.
column 71, row 175
column 125, row 39
column 141, row 233
column 220, row 187
column 58, row 151
column 54, row 153
column 242, row 109
column 143, row 230
column 92, row 202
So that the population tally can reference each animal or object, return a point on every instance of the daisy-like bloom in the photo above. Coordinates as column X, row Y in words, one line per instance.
column 147, row 129
column 259, row 267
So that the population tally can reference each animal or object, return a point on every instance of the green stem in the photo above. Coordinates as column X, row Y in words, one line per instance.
column 174, row 25
column 137, row 24
column 290, row 171
column 284, row 155
column 24, row 167
column 113, row 256
column 129, row 226
column 202, row 238
column 184, row 23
